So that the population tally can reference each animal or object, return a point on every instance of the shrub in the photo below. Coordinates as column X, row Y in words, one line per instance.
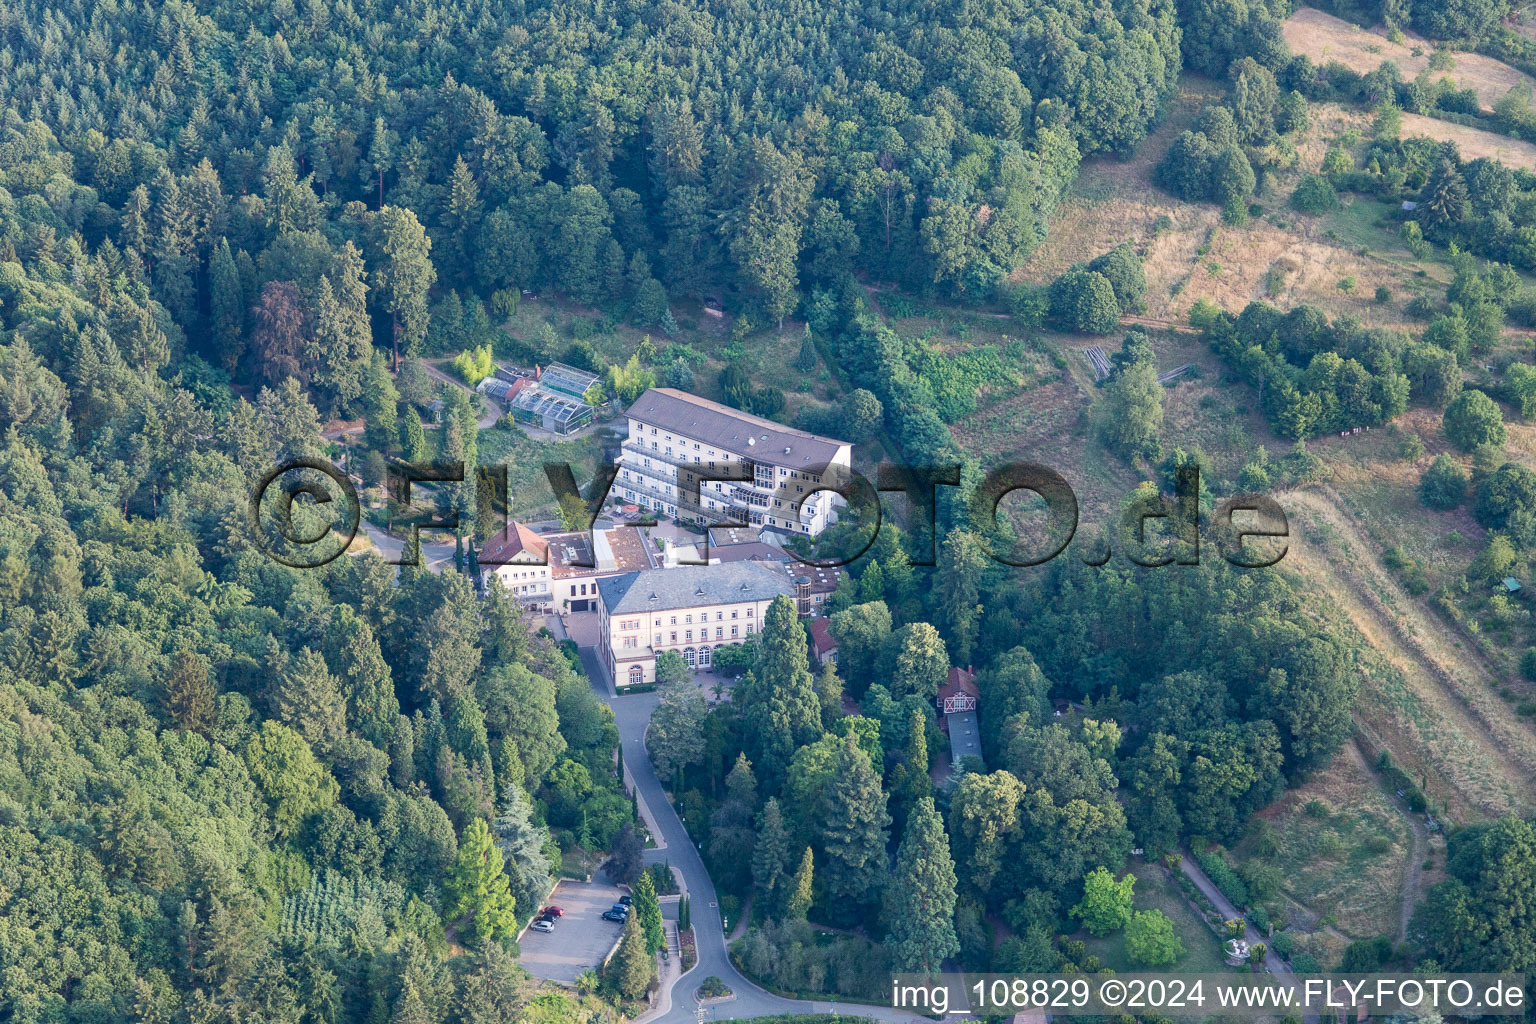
column 1473, row 420
column 1528, row 663
column 473, row 365
column 1315, row 194
column 1443, row 485
column 1224, row 877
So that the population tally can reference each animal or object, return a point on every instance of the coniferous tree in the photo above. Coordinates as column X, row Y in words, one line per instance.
column 227, row 309
column 309, row 700
column 801, row 891
column 770, row 857
column 633, row 966
column 648, row 910
column 778, row 700
column 478, row 887
column 920, row 901
column 402, row 275
column 189, row 694
column 910, row 782
column 854, row 830
column 379, row 401
column 413, row 439
column 805, row 362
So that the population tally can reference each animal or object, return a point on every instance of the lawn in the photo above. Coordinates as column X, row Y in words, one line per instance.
column 1341, row 846
column 766, row 352
column 1156, row 891
column 529, row 496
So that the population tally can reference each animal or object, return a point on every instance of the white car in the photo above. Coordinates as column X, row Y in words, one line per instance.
column 543, row 924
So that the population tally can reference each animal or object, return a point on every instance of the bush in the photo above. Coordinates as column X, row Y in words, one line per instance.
column 1283, row 943
column 1315, row 194
column 1443, row 485
column 1224, row 877
column 473, row 365
column 1306, row 963
column 1528, row 663
column 1473, row 420
column 1084, row 300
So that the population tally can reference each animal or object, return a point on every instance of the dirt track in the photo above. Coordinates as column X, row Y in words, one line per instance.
column 1441, row 718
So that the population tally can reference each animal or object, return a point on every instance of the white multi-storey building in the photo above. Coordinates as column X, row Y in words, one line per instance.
column 680, row 439
column 693, row 610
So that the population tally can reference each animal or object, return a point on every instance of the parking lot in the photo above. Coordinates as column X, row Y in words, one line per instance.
column 581, row 938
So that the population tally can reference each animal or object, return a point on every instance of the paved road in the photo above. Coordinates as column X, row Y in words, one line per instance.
column 492, row 410
column 632, row 714
column 1273, row 962
column 435, row 555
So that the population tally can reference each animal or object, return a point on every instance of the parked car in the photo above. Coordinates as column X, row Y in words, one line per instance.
column 614, row 915
column 626, row 900
column 543, row 924
column 552, row 912
column 620, row 908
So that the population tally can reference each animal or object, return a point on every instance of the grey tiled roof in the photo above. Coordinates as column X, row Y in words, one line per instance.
column 712, row 423
column 690, row 586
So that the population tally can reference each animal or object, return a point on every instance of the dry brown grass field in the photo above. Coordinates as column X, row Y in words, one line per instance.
column 1472, row 142
column 1281, row 256
column 1324, row 38
column 1438, row 695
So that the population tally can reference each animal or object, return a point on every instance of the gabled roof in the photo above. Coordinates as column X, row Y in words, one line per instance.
column 691, row 586
column 733, row 430
column 566, row 379
column 517, row 544
column 821, row 637
column 959, row 681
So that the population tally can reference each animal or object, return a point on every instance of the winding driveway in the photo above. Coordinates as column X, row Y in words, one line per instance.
column 1273, row 962
column 632, row 714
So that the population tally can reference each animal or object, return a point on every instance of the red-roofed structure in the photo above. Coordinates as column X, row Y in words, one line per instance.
column 823, row 644
column 958, row 693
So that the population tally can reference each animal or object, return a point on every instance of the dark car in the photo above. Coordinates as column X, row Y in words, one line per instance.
column 626, row 900
column 552, row 912
column 614, row 915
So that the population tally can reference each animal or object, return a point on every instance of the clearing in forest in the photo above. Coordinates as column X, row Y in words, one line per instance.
column 1472, row 143
column 1324, row 39
column 1426, row 696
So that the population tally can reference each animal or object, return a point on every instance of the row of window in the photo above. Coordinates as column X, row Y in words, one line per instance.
column 632, row 642
column 760, row 469
column 695, row 659
column 688, row 618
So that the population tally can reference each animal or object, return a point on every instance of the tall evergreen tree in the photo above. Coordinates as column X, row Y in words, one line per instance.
column 648, row 910
column 632, row 966
column 478, row 888
column 854, row 831
column 770, row 858
column 779, row 702
column 189, row 694
column 801, row 889
column 226, row 308
column 413, row 439
column 379, row 401
column 402, row 275
column 920, row 901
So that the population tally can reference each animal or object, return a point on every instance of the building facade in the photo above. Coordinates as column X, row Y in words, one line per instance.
column 680, row 439
column 558, row 572
column 693, row 610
